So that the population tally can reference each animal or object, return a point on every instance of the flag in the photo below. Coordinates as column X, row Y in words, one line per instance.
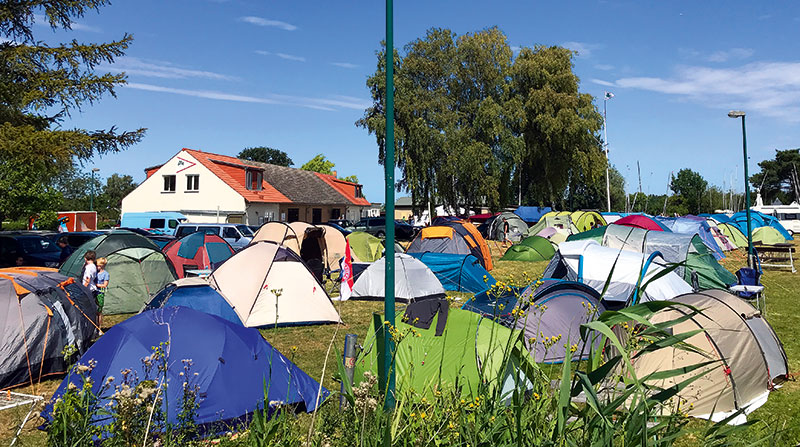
column 346, row 287
column 609, row 95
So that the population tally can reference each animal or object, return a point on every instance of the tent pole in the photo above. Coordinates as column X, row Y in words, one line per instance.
column 388, row 368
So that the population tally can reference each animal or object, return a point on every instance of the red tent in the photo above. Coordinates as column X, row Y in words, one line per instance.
column 197, row 251
column 640, row 221
column 481, row 218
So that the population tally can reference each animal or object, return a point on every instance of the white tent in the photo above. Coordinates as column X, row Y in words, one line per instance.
column 413, row 280
column 268, row 284
column 589, row 262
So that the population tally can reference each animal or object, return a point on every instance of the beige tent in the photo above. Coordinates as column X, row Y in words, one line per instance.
column 268, row 284
column 280, row 233
column 306, row 240
column 335, row 244
column 748, row 357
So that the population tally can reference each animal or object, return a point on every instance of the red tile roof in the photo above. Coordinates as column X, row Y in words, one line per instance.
column 345, row 188
column 231, row 170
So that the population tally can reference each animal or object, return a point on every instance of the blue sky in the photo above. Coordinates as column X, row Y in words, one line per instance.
column 221, row 75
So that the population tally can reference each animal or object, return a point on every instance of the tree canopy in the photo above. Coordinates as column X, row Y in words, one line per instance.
column 473, row 123
column 775, row 181
column 319, row 164
column 689, row 188
column 42, row 86
column 265, row 154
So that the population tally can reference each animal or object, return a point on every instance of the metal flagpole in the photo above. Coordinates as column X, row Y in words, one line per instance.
column 388, row 306
column 606, row 97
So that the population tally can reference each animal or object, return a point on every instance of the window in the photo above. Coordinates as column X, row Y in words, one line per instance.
column 254, row 179
column 316, row 215
column 210, row 230
column 359, row 193
column 157, row 223
column 336, row 213
column 294, row 214
column 230, row 233
column 183, row 231
column 169, row 183
column 173, row 224
column 192, row 182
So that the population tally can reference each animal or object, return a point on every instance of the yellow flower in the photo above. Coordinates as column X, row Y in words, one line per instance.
column 536, row 396
column 422, row 415
column 412, row 414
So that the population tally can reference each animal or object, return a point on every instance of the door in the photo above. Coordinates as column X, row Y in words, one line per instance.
column 233, row 237
column 316, row 215
column 294, row 215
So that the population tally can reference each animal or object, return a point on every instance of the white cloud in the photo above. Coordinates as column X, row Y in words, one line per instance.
column 768, row 88
column 41, row 19
column 344, row 65
column 584, row 49
column 332, row 103
column 604, row 83
column 159, row 69
column 604, row 67
column 290, row 57
column 260, row 21
column 733, row 53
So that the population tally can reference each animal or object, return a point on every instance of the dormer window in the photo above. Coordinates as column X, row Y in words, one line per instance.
column 359, row 193
column 254, row 180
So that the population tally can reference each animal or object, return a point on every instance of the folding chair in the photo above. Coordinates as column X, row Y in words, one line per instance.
column 749, row 286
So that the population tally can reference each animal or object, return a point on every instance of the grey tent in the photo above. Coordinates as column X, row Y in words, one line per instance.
column 747, row 357
column 41, row 313
column 413, row 281
column 517, row 228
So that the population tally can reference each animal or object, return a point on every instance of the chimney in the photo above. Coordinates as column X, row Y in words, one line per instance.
column 334, row 174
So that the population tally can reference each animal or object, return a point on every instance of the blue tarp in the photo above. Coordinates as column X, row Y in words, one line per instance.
column 198, row 297
column 758, row 220
column 459, row 273
column 233, row 363
column 532, row 214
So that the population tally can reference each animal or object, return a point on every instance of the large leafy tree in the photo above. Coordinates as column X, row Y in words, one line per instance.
column 110, row 200
column 473, row 124
column 779, row 177
column 265, row 154
column 584, row 193
column 319, row 164
column 42, row 85
column 689, row 188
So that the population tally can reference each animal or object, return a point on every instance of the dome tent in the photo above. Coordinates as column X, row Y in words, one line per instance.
column 586, row 220
column 750, row 359
column 198, row 250
column 530, row 249
column 235, row 367
column 758, row 220
column 269, row 285
column 413, row 281
column 767, row 236
column 364, row 247
column 137, row 267
column 552, row 308
column 674, row 248
column 42, row 313
column 641, row 221
column 457, row 237
column 590, row 263
column 733, row 233
column 555, row 219
column 693, row 225
column 517, row 228
column 194, row 293
column 305, row 240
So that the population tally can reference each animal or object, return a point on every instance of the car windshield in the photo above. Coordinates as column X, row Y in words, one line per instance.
column 245, row 230
column 32, row 245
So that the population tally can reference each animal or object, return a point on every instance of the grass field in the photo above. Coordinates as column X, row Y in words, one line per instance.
column 313, row 346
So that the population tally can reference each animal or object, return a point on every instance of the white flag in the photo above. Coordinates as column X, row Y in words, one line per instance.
column 609, row 95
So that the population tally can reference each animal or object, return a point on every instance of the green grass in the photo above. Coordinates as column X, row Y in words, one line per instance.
column 781, row 412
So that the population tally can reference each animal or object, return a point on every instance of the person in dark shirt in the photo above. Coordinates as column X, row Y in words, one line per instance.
column 66, row 249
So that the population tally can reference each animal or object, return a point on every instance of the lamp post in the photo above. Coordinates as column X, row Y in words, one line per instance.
column 606, row 97
column 388, row 305
column 91, row 197
column 750, row 255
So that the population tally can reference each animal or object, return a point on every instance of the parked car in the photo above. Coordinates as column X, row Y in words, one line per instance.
column 343, row 230
column 238, row 235
column 33, row 249
column 161, row 222
column 74, row 238
column 344, row 223
column 159, row 239
column 376, row 226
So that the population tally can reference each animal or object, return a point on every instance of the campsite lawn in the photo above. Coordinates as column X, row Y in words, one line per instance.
column 312, row 345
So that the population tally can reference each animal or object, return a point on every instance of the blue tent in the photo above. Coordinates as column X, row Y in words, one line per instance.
column 532, row 214
column 234, row 365
column 720, row 218
column 757, row 220
column 692, row 225
column 459, row 273
column 194, row 293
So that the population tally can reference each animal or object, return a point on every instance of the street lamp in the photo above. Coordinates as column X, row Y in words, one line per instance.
column 91, row 197
column 750, row 254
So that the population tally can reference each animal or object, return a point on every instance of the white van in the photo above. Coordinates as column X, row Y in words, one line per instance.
column 787, row 215
column 238, row 235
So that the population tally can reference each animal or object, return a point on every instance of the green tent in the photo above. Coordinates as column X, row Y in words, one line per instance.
column 734, row 234
column 767, row 236
column 530, row 249
column 586, row 220
column 595, row 234
column 553, row 219
column 136, row 266
column 365, row 247
column 471, row 350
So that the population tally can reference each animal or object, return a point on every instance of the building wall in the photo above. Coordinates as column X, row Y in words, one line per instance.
column 213, row 194
column 259, row 213
column 402, row 213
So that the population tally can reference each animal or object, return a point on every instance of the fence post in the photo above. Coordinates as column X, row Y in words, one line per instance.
column 349, row 361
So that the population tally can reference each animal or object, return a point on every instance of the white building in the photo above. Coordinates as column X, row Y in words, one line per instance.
column 218, row 188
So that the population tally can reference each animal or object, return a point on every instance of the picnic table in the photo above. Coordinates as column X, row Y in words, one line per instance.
column 777, row 255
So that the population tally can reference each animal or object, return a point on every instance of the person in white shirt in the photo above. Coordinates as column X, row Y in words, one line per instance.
column 90, row 271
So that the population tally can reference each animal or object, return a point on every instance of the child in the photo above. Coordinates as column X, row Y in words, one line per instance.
column 102, row 284
column 90, row 273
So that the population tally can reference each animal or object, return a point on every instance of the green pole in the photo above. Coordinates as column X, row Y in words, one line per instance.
column 388, row 308
column 750, row 254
